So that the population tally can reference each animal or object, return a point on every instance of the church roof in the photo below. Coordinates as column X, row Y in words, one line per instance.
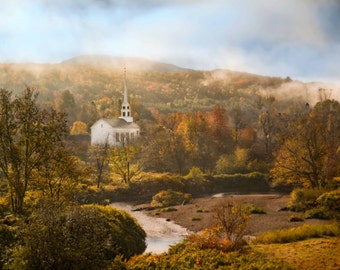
column 119, row 123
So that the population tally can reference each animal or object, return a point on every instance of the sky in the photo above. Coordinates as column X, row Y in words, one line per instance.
column 300, row 39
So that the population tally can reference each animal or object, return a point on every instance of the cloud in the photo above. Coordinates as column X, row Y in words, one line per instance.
column 282, row 38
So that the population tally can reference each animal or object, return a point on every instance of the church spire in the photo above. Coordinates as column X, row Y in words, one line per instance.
column 125, row 112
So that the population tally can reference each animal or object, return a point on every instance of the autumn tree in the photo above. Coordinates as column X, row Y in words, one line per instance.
column 59, row 178
column 220, row 130
column 28, row 139
column 308, row 152
column 195, row 129
column 163, row 147
column 79, row 128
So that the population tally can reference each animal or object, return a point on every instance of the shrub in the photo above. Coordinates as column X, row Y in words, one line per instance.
column 185, row 256
column 86, row 237
column 211, row 238
column 8, row 239
column 170, row 197
column 295, row 218
column 319, row 213
column 169, row 209
column 233, row 221
column 330, row 201
column 195, row 182
column 254, row 209
column 303, row 199
column 251, row 182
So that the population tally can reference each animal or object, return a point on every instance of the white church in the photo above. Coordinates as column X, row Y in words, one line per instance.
column 117, row 131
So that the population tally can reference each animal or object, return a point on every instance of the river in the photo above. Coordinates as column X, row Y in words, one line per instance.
column 160, row 233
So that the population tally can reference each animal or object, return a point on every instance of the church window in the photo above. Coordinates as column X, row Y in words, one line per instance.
column 128, row 113
column 123, row 107
column 123, row 113
column 117, row 137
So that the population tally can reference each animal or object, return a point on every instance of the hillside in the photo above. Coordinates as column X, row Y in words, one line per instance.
column 96, row 80
column 130, row 63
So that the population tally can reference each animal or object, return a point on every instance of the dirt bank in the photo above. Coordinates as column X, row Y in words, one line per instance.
column 200, row 213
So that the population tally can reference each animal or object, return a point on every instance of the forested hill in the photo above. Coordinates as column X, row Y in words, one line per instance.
column 83, row 84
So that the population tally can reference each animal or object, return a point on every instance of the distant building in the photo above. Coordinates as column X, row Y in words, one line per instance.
column 116, row 131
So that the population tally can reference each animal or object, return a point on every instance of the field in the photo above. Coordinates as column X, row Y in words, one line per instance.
column 313, row 253
column 317, row 253
column 199, row 214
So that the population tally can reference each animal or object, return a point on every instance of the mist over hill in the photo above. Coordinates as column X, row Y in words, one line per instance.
column 98, row 79
column 130, row 63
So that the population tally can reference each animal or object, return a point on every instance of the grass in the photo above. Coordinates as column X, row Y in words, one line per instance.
column 315, row 253
column 299, row 233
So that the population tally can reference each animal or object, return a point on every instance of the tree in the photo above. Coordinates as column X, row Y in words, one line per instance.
column 29, row 138
column 308, row 152
column 58, row 178
column 123, row 161
column 78, row 237
column 100, row 156
column 78, row 128
column 67, row 104
column 233, row 221
column 268, row 125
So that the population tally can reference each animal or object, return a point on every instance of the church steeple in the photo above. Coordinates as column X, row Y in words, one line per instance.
column 125, row 111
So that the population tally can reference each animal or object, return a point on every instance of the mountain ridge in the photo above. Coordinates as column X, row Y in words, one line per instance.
column 118, row 62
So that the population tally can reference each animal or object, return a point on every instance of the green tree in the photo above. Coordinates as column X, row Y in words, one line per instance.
column 80, row 237
column 67, row 104
column 123, row 161
column 28, row 139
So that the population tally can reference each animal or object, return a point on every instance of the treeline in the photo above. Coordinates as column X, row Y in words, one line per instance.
column 88, row 92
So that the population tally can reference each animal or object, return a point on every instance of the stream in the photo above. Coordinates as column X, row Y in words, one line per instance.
column 160, row 233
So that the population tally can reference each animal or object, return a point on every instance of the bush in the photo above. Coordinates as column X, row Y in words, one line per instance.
column 86, row 237
column 254, row 209
column 295, row 218
column 244, row 183
column 150, row 184
column 185, row 256
column 319, row 213
column 303, row 199
column 211, row 238
column 233, row 221
column 8, row 239
column 330, row 201
column 195, row 182
column 169, row 197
